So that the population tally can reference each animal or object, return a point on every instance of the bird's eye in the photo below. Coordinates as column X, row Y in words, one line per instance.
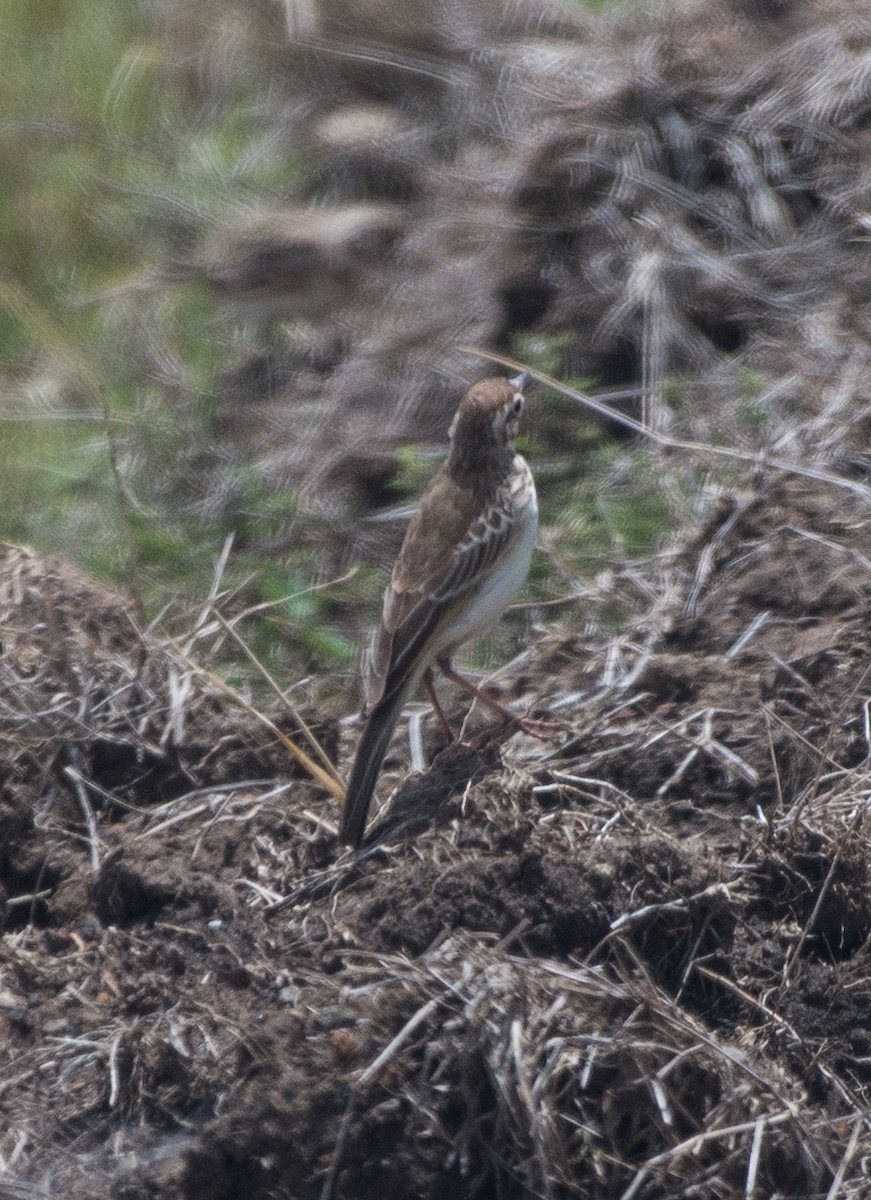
column 518, row 404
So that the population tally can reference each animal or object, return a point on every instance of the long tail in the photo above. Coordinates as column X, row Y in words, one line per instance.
column 367, row 765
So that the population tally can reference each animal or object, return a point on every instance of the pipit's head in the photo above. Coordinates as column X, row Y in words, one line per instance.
column 489, row 414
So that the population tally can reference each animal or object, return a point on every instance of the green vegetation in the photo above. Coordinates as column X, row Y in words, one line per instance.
column 109, row 160
column 605, row 502
column 105, row 161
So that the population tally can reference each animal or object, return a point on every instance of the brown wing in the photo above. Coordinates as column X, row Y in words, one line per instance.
column 433, row 572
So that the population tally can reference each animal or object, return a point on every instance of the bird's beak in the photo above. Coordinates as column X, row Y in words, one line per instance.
column 519, row 381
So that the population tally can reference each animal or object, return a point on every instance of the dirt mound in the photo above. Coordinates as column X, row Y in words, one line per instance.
column 676, row 193
column 634, row 964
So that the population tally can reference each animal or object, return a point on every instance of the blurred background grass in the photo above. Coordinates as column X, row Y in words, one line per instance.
column 111, row 153
column 114, row 151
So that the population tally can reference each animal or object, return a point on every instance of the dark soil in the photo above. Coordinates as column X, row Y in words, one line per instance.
column 202, row 997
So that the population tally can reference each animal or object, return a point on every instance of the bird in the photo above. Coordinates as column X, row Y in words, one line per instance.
column 464, row 557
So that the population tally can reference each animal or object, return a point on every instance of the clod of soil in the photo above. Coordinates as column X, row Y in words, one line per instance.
column 629, row 962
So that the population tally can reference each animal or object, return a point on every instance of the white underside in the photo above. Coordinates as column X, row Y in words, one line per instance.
column 498, row 589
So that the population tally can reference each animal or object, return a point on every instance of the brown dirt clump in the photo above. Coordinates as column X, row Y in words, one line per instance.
column 633, row 963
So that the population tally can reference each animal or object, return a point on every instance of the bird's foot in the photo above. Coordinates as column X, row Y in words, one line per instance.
column 545, row 731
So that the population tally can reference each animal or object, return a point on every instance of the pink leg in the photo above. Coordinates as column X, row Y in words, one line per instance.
column 436, row 707
column 539, row 729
